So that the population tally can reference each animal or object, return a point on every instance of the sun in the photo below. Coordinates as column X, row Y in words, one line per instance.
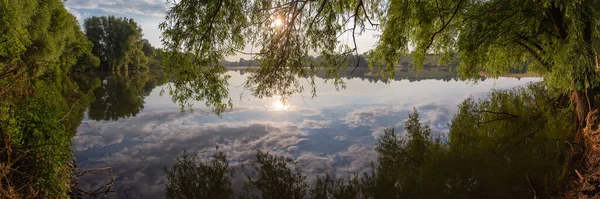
column 277, row 22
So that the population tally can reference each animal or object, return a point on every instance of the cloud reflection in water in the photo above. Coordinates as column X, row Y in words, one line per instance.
column 332, row 133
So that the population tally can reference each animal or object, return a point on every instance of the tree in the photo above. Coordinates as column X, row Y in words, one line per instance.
column 40, row 37
column 559, row 39
column 147, row 48
column 117, row 42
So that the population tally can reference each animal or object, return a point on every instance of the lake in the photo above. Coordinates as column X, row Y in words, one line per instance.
column 138, row 132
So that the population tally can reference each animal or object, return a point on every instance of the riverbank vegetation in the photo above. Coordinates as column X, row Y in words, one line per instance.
column 43, row 51
column 40, row 108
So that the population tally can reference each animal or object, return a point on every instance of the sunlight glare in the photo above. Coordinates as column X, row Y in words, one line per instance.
column 279, row 106
column 278, row 22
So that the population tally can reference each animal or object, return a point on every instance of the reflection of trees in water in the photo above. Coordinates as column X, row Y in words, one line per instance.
column 400, row 74
column 514, row 144
column 38, row 122
column 122, row 94
column 43, row 122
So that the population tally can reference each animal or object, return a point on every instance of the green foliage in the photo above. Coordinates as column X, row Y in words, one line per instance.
column 559, row 39
column 191, row 178
column 512, row 144
column 42, row 35
column 117, row 42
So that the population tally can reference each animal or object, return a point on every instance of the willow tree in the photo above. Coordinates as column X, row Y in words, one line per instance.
column 559, row 39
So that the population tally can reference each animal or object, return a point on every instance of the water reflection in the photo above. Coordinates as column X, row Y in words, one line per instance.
column 371, row 76
column 334, row 132
column 122, row 94
column 278, row 105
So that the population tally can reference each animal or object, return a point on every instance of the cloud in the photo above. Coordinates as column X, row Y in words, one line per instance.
column 368, row 116
column 378, row 132
column 314, row 124
column 314, row 165
column 155, row 8
column 355, row 160
column 139, row 148
column 437, row 115
column 75, row 13
column 379, row 118
column 339, row 138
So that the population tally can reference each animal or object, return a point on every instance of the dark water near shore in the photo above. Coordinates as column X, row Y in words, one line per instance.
column 136, row 131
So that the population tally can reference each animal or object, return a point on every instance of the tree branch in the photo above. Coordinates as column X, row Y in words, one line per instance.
column 366, row 15
column 444, row 25
column 318, row 13
column 356, row 17
column 558, row 22
column 536, row 55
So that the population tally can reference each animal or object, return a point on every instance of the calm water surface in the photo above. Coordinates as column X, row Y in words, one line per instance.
column 136, row 131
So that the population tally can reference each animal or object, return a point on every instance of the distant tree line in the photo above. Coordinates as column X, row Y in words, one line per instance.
column 361, row 61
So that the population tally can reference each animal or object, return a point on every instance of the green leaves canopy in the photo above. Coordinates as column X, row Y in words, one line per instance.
column 117, row 42
column 43, row 36
column 557, row 38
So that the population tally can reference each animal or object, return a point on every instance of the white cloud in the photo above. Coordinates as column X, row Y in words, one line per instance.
column 314, row 165
column 75, row 13
column 314, row 124
column 140, row 147
column 141, row 7
column 356, row 159
column 378, row 132
column 367, row 116
column 339, row 138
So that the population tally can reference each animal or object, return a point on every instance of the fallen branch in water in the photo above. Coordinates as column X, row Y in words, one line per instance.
column 104, row 190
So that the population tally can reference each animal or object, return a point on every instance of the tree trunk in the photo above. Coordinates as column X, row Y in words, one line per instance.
column 583, row 105
column 588, row 135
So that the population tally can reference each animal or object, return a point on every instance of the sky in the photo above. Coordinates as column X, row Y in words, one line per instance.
column 149, row 13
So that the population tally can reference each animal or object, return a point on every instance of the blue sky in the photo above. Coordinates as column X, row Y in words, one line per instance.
column 149, row 13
